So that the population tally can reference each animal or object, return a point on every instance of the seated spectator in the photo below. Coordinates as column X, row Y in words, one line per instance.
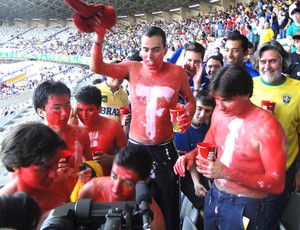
column 192, row 185
column 131, row 164
column 32, row 152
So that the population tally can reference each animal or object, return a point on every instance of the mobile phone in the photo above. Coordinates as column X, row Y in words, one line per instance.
column 82, row 167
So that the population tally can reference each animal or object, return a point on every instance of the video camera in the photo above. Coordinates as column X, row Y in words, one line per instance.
column 86, row 215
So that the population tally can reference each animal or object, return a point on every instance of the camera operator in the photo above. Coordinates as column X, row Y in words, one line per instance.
column 131, row 164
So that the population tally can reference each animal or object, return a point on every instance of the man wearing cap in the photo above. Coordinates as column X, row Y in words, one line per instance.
column 293, row 28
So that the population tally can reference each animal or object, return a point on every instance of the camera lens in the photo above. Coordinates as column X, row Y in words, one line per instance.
column 58, row 223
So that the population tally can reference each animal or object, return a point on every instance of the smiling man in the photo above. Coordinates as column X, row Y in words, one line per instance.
column 243, row 175
column 236, row 49
column 154, row 88
column 272, row 85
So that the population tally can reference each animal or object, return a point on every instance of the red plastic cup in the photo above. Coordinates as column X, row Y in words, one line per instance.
column 268, row 105
column 65, row 153
column 94, row 150
column 175, row 113
column 123, row 111
column 207, row 151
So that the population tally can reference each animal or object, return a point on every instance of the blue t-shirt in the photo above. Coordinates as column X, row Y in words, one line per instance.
column 188, row 141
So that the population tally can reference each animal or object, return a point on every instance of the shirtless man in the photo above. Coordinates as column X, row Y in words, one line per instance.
column 32, row 152
column 52, row 102
column 251, row 160
column 106, row 135
column 154, row 88
column 131, row 164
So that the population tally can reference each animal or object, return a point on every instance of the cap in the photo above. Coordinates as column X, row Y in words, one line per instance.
column 297, row 36
column 296, row 10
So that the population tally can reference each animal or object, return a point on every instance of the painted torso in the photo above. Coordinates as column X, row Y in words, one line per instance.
column 78, row 143
column 108, row 136
column 152, row 95
column 246, row 144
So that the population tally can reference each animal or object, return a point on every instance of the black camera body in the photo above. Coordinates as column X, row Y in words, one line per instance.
column 84, row 214
column 87, row 215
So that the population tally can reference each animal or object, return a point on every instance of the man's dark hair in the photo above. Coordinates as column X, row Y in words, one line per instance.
column 230, row 81
column 217, row 57
column 195, row 47
column 272, row 45
column 136, row 158
column 205, row 98
column 47, row 88
column 97, row 81
column 135, row 57
column 237, row 36
column 156, row 31
column 30, row 144
column 19, row 211
column 89, row 95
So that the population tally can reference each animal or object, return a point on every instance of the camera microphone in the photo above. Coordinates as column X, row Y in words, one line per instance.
column 144, row 200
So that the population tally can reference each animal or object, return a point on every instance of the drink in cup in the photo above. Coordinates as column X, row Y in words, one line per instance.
column 94, row 150
column 65, row 153
column 175, row 113
column 207, row 151
column 123, row 111
column 268, row 105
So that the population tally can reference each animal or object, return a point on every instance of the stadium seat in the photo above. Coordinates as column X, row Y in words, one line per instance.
column 188, row 224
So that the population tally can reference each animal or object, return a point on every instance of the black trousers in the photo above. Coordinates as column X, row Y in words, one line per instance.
column 165, row 184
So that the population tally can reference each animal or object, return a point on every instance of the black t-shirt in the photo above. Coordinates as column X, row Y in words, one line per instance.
column 294, row 68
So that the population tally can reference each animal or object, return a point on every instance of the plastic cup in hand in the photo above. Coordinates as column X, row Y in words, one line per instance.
column 65, row 153
column 94, row 150
column 123, row 111
column 175, row 113
column 268, row 105
column 207, row 151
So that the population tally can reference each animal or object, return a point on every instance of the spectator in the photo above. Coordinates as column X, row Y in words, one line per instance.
column 103, row 141
column 131, row 164
column 236, row 48
column 294, row 67
column 272, row 85
column 152, row 95
column 212, row 66
column 191, row 185
column 52, row 103
column 246, row 186
column 293, row 28
column 267, row 34
column 193, row 58
column 113, row 98
column 32, row 152
column 19, row 211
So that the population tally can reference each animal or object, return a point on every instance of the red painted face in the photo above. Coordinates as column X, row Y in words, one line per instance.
column 87, row 114
column 153, row 52
column 57, row 110
column 231, row 107
column 39, row 177
column 123, row 183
